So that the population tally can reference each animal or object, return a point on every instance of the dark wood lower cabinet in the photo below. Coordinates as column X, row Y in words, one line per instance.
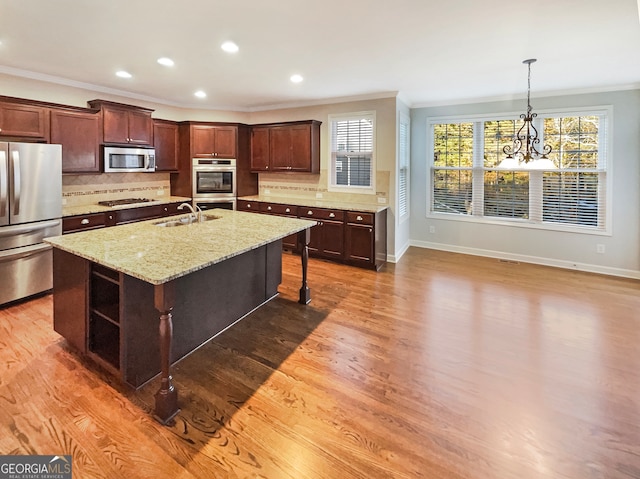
column 357, row 238
column 72, row 224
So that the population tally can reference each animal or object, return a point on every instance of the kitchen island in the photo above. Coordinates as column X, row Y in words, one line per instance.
column 110, row 286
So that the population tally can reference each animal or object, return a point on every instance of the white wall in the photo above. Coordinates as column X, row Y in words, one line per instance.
column 572, row 250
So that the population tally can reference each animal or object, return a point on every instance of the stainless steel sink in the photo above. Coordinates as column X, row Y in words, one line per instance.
column 184, row 220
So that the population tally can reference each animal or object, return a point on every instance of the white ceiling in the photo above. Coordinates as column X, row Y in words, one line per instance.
column 431, row 52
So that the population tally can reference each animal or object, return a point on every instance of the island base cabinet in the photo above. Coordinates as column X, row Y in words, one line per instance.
column 206, row 303
column 112, row 317
column 70, row 298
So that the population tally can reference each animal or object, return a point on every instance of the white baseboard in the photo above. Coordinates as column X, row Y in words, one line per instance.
column 590, row 268
column 394, row 258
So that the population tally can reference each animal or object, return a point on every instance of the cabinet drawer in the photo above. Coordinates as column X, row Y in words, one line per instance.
column 360, row 218
column 139, row 214
column 279, row 209
column 248, row 205
column 171, row 209
column 71, row 224
column 320, row 213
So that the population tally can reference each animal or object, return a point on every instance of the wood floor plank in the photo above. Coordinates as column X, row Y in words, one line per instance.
column 441, row 366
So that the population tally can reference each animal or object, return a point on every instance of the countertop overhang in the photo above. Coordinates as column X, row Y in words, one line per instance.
column 158, row 254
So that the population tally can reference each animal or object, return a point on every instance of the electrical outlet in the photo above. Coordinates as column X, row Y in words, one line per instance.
column 382, row 200
column 159, row 192
column 267, row 191
column 600, row 248
column 318, row 196
column 432, row 229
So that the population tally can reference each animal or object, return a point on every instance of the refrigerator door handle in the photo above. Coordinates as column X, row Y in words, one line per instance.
column 3, row 183
column 29, row 228
column 15, row 156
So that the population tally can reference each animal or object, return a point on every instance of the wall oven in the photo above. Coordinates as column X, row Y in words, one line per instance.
column 213, row 179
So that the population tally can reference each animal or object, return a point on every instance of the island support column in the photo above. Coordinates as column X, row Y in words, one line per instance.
column 167, row 395
column 304, row 237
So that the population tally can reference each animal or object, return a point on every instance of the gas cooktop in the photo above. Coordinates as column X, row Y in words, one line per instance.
column 124, row 201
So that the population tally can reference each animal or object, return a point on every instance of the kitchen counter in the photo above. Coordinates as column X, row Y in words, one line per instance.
column 320, row 203
column 96, row 208
column 158, row 254
column 116, row 289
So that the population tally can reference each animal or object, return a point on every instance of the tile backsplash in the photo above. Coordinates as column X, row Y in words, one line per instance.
column 78, row 190
column 315, row 187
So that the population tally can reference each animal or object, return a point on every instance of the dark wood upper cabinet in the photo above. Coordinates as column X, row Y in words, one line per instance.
column 165, row 142
column 214, row 141
column 286, row 147
column 79, row 134
column 125, row 124
column 19, row 120
column 260, row 148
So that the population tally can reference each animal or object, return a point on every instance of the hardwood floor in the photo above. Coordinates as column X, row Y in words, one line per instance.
column 441, row 366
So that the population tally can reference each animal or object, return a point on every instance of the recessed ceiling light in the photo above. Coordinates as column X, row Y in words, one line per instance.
column 123, row 74
column 296, row 78
column 167, row 62
column 230, row 47
column 200, row 94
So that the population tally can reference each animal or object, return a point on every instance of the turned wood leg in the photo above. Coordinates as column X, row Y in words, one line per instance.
column 303, row 245
column 167, row 395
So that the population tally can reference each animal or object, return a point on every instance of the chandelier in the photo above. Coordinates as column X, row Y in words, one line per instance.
column 526, row 142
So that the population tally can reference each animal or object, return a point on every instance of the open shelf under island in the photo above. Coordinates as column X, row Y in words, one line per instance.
column 111, row 285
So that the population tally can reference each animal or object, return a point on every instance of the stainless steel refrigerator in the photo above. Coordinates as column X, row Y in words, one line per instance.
column 30, row 210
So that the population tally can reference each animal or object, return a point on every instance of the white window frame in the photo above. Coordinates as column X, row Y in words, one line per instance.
column 605, row 161
column 332, row 186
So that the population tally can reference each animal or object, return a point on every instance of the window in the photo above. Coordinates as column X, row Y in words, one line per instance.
column 352, row 140
column 469, row 181
column 403, row 165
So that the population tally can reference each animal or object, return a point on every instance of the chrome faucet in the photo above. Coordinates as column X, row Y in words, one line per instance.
column 197, row 212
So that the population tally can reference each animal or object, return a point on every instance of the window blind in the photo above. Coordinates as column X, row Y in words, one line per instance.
column 403, row 165
column 352, row 144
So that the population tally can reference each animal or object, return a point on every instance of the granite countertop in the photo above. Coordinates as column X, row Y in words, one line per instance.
column 330, row 204
column 96, row 208
column 158, row 254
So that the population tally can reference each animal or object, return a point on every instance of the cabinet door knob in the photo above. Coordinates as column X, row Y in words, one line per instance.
column 310, row 213
column 332, row 215
column 268, row 208
column 288, row 210
column 358, row 218
column 110, row 217
column 248, row 205
column 84, row 222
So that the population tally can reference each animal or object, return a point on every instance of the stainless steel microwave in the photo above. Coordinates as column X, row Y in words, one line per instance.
column 124, row 159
